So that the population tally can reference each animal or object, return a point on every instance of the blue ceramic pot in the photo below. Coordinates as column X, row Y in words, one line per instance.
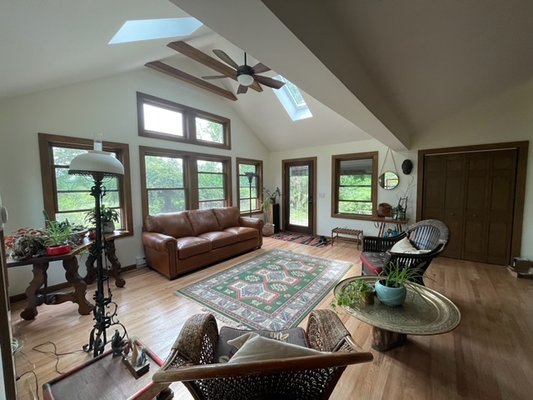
column 390, row 296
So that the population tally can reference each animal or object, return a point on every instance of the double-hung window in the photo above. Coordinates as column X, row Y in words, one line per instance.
column 354, row 185
column 68, row 196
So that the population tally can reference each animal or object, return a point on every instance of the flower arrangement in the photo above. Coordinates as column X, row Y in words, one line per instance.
column 25, row 243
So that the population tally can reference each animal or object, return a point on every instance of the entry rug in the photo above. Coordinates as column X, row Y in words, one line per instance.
column 310, row 240
column 273, row 291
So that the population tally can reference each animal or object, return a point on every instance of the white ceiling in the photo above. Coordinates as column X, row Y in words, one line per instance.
column 388, row 68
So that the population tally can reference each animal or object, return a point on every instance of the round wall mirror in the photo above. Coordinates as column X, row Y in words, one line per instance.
column 388, row 180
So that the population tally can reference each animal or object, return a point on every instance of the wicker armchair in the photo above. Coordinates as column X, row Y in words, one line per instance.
column 429, row 234
column 192, row 361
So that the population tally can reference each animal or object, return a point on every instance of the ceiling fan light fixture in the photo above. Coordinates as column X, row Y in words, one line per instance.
column 245, row 79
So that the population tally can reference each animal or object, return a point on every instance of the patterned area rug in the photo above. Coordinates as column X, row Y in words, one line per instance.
column 310, row 240
column 273, row 291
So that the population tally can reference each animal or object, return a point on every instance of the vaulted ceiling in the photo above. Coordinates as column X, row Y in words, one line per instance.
column 386, row 69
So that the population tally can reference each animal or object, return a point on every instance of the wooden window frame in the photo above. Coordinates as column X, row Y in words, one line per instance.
column 190, row 172
column 47, row 141
column 259, row 171
column 335, row 176
column 189, row 115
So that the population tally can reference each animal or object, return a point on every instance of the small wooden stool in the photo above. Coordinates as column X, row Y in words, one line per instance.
column 355, row 235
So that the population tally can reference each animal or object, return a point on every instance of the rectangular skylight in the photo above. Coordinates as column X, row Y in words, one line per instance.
column 292, row 100
column 146, row 29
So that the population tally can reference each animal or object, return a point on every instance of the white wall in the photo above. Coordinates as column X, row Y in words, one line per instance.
column 506, row 118
column 82, row 110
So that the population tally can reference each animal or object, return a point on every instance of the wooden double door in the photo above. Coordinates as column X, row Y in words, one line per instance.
column 474, row 194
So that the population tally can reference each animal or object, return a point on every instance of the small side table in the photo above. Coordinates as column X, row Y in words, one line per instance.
column 107, row 378
column 355, row 235
column 110, row 251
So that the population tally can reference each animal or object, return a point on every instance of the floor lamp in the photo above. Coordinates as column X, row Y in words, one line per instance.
column 250, row 176
column 99, row 164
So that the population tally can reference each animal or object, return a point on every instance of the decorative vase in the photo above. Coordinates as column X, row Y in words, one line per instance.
column 58, row 250
column 268, row 229
column 390, row 296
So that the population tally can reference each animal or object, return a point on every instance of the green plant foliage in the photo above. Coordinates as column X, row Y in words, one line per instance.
column 396, row 275
column 106, row 215
column 58, row 233
column 352, row 293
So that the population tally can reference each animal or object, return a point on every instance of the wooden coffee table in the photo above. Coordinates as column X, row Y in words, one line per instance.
column 107, row 378
column 424, row 313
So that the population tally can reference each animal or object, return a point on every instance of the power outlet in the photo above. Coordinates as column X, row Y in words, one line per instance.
column 140, row 262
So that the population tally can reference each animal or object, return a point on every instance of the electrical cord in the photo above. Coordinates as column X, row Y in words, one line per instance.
column 36, row 394
column 54, row 352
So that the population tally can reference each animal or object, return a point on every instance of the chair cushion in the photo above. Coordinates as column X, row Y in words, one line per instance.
column 192, row 246
column 203, row 221
column 374, row 261
column 172, row 224
column 406, row 247
column 258, row 348
column 227, row 216
column 225, row 351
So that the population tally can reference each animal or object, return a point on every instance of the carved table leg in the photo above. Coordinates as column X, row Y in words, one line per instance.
column 78, row 295
column 115, row 263
column 39, row 275
column 89, row 264
column 383, row 340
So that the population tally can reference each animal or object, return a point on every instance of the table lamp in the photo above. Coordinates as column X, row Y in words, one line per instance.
column 99, row 164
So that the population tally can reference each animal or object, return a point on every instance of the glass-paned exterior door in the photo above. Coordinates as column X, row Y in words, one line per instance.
column 299, row 183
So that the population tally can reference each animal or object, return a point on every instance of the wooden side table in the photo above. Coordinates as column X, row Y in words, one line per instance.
column 40, row 276
column 382, row 222
column 107, row 378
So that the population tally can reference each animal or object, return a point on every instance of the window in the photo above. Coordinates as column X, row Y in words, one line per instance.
column 249, row 193
column 354, row 185
column 292, row 100
column 163, row 119
column 173, row 180
column 68, row 196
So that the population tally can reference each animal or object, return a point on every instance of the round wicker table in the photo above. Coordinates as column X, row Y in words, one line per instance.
column 425, row 312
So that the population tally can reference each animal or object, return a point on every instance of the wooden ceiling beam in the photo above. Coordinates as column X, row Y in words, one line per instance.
column 191, row 52
column 185, row 77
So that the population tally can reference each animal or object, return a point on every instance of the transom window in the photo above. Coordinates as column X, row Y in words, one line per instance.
column 163, row 119
column 354, row 187
column 173, row 180
column 249, row 193
column 68, row 196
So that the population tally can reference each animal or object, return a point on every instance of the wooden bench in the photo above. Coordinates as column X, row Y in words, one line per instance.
column 355, row 235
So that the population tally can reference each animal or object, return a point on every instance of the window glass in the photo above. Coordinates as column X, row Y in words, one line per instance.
column 165, row 184
column 209, row 131
column 211, row 184
column 162, row 120
column 249, row 190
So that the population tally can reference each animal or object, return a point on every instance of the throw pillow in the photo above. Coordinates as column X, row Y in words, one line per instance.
column 406, row 247
column 258, row 348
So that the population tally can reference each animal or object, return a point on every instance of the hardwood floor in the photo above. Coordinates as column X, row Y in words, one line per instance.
column 489, row 356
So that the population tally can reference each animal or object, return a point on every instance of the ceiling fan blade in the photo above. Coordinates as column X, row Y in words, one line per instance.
column 214, row 77
column 242, row 89
column 224, row 57
column 260, row 68
column 265, row 80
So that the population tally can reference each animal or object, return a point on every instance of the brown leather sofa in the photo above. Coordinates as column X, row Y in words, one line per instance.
column 178, row 243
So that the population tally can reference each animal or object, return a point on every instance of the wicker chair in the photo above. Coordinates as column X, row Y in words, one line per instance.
column 193, row 361
column 429, row 234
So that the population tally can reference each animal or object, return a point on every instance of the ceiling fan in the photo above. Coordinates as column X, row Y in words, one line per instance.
column 245, row 74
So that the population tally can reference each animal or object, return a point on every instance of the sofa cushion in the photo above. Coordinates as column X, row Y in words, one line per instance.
column 172, row 224
column 203, row 221
column 191, row 246
column 243, row 233
column 227, row 216
column 219, row 238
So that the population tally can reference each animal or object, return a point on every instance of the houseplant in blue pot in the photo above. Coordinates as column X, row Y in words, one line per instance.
column 391, row 287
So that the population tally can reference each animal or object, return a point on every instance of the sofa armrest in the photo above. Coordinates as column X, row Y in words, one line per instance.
column 251, row 223
column 159, row 241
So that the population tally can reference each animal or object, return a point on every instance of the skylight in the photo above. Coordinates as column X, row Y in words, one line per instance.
column 146, row 29
column 292, row 100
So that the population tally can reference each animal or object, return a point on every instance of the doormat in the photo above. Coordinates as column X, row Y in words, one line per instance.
column 310, row 240
column 273, row 291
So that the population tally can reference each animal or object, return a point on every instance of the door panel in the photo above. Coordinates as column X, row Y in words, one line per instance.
column 299, row 188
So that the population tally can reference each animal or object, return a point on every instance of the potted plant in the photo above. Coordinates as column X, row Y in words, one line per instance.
column 108, row 216
column 391, row 287
column 355, row 291
column 269, row 199
column 58, row 236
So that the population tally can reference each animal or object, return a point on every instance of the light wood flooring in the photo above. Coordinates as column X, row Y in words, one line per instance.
column 489, row 356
